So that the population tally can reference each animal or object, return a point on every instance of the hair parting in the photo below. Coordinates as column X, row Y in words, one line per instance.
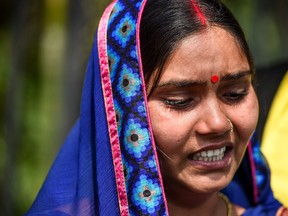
column 199, row 12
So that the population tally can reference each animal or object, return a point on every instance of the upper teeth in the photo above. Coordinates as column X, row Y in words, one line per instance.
column 210, row 155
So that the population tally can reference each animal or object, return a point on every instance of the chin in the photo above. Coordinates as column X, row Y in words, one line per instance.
column 209, row 183
column 209, row 186
column 212, row 188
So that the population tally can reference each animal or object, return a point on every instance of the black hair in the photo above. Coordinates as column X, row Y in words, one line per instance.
column 165, row 23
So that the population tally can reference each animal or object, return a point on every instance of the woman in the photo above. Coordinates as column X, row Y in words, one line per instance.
column 166, row 76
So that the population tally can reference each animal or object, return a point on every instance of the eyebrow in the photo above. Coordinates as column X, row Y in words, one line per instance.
column 181, row 84
column 236, row 76
column 190, row 83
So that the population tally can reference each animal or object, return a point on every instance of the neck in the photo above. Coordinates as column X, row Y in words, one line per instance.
column 196, row 204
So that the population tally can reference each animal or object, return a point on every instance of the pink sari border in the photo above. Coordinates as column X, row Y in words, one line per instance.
column 110, row 111
column 253, row 170
column 145, row 99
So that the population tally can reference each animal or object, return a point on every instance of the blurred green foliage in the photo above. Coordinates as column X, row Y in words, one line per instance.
column 265, row 25
column 39, row 41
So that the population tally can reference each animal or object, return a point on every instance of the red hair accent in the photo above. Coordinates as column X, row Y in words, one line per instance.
column 198, row 12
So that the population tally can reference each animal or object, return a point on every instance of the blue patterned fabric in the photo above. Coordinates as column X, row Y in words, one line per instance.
column 82, row 179
column 143, row 185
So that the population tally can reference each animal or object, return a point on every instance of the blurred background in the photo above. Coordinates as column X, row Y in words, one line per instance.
column 44, row 48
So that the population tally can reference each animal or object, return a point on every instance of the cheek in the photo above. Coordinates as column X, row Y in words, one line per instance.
column 245, row 120
column 249, row 117
column 167, row 129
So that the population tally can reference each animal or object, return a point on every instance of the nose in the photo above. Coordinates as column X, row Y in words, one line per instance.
column 213, row 119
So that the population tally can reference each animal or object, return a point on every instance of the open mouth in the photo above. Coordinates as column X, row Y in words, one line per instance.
column 210, row 155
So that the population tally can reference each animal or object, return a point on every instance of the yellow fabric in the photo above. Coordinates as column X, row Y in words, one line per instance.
column 275, row 142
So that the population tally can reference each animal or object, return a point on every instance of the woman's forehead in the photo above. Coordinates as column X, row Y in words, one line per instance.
column 212, row 51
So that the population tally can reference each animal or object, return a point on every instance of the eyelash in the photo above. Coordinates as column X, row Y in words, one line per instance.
column 235, row 96
column 179, row 104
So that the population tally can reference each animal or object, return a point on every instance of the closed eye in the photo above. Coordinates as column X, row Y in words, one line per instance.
column 235, row 96
column 178, row 103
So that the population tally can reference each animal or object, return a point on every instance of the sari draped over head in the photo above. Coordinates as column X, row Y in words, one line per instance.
column 108, row 164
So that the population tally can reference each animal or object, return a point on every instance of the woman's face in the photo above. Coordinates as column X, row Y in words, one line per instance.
column 190, row 113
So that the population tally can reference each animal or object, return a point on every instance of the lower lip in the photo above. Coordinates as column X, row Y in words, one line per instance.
column 214, row 165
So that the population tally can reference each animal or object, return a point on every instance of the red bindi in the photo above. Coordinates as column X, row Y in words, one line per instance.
column 214, row 79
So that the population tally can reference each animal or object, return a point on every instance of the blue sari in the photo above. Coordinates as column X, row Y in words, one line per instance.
column 108, row 164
